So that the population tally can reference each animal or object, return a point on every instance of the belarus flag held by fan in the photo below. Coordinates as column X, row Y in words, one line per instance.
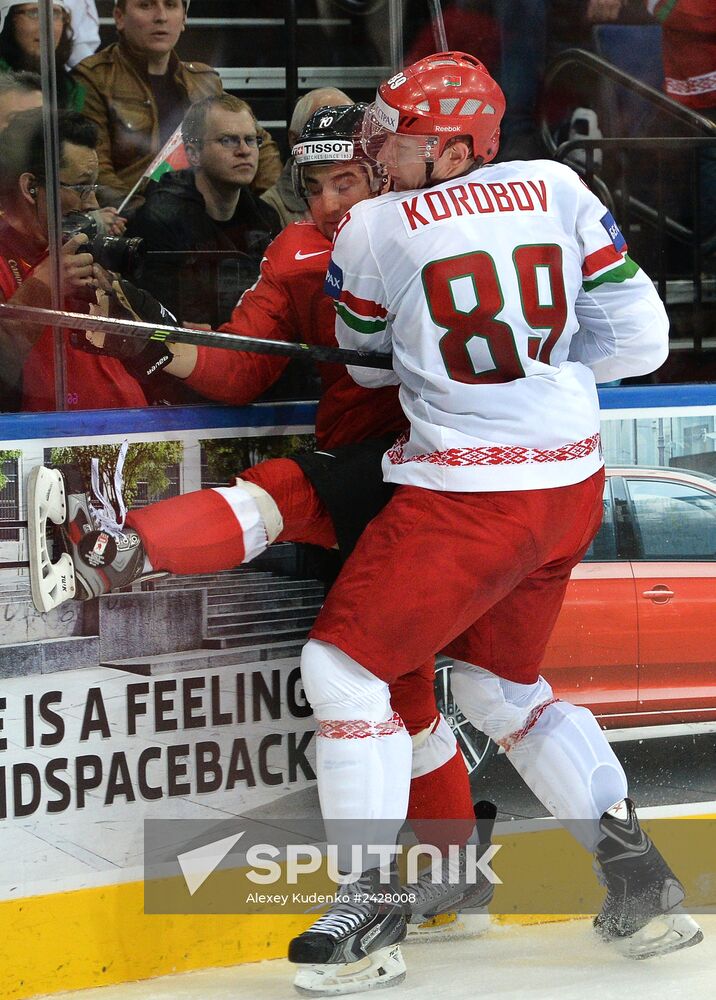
column 172, row 156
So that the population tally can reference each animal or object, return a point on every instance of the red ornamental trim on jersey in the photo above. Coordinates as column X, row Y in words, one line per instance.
column 357, row 729
column 505, row 454
column 511, row 741
column 704, row 84
column 600, row 259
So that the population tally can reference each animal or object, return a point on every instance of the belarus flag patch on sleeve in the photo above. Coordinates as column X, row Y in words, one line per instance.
column 614, row 232
column 334, row 281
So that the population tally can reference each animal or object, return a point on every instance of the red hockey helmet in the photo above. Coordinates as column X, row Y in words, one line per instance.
column 442, row 96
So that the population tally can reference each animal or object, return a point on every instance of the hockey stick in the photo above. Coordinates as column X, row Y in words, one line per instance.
column 202, row 338
column 438, row 26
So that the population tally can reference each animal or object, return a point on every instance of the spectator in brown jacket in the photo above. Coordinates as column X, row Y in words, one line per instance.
column 138, row 91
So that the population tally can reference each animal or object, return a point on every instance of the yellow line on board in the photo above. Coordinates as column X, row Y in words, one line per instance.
column 101, row 936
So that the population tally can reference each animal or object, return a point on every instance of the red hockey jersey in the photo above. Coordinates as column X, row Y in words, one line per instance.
column 288, row 303
column 93, row 381
column 689, row 47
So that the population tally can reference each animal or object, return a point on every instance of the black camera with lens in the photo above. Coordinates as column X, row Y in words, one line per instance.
column 113, row 253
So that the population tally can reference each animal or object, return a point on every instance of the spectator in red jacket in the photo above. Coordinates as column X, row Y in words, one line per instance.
column 26, row 352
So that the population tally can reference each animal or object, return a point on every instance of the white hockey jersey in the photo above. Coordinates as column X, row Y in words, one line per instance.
column 503, row 294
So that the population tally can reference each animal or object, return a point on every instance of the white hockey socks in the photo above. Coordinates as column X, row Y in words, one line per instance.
column 566, row 761
column 557, row 748
column 363, row 752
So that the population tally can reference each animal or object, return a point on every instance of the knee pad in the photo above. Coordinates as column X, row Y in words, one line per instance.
column 557, row 748
column 497, row 707
column 340, row 688
column 257, row 513
column 433, row 747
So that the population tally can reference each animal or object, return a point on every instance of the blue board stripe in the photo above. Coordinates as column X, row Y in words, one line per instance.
column 161, row 419
column 153, row 420
column 667, row 396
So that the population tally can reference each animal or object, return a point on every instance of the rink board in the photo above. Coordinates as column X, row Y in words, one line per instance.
column 62, row 930
column 101, row 936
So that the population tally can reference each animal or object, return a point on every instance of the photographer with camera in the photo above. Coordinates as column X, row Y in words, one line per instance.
column 27, row 377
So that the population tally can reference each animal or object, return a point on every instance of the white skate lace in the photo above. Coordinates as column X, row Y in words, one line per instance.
column 344, row 918
column 107, row 517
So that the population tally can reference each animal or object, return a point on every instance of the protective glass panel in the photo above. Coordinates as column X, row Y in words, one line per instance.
column 604, row 543
column 674, row 521
column 171, row 696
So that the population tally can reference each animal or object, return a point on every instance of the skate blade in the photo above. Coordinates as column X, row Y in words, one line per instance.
column 662, row 935
column 384, row 968
column 449, row 927
column 50, row 583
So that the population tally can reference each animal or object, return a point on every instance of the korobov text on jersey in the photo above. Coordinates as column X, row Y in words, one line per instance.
column 473, row 198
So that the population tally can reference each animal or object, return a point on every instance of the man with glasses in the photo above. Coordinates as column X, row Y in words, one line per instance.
column 208, row 207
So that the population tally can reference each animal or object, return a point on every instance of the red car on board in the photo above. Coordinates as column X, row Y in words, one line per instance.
column 636, row 638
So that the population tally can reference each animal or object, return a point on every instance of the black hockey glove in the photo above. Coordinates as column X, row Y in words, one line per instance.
column 142, row 358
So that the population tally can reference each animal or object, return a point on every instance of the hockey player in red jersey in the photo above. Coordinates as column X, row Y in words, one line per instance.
column 288, row 301
column 324, row 499
column 503, row 293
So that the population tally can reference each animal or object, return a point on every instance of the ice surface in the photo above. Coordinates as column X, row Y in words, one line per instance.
column 557, row 961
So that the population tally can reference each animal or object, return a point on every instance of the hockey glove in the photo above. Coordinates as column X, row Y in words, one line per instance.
column 142, row 358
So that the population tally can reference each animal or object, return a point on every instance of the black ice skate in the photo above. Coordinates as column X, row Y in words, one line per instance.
column 642, row 913
column 354, row 946
column 454, row 906
column 99, row 554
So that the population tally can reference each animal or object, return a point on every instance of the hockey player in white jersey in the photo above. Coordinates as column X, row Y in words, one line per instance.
column 504, row 293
